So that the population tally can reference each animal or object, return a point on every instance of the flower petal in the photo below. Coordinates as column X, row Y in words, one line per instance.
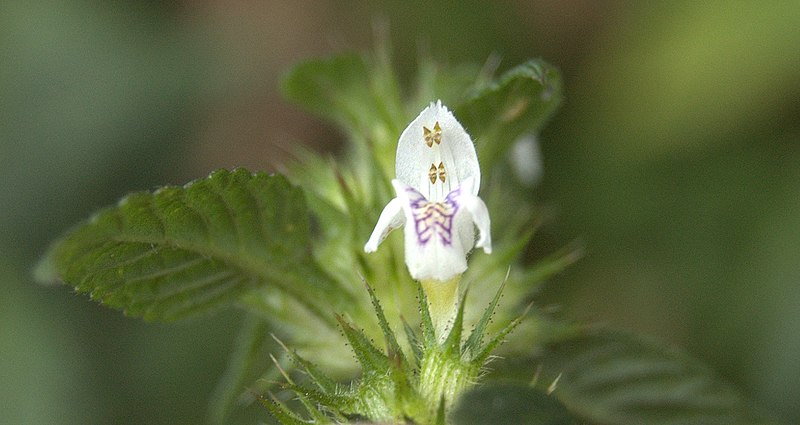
column 391, row 218
column 435, row 154
column 437, row 184
column 433, row 241
column 480, row 216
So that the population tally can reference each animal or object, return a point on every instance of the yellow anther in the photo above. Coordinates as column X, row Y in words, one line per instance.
column 432, row 173
column 434, row 136
column 442, row 172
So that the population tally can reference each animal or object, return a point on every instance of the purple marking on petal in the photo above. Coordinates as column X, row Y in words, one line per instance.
column 433, row 218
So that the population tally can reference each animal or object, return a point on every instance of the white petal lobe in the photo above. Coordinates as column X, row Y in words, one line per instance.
column 391, row 218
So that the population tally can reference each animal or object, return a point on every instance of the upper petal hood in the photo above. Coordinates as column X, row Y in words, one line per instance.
column 435, row 139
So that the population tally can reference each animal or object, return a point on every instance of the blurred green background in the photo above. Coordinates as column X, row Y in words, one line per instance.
column 675, row 161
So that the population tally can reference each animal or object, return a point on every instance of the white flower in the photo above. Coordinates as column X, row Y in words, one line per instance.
column 437, row 185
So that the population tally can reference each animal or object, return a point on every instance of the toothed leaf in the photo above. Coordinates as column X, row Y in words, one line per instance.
column 184, row 250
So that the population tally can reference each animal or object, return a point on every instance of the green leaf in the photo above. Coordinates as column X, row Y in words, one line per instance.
column 616, row 378
column 324, row 87
column 357, row 92
column 512, row 404
column 247, row 362
column 450, row 83
column 361, row 94
column 518, row 102
column 184, row 250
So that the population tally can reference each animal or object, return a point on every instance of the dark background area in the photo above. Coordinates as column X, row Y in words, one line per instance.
column 675, row 160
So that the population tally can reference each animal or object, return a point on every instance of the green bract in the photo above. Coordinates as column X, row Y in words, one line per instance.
column 418, row 383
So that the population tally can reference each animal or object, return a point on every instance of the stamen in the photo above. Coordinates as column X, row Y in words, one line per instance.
column 426, row 134
column 432, row 173
column 434, row 136
column 442, row 172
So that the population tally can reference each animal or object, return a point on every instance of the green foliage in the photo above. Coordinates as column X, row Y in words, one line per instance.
column 509, row 404
column 393, row 388
column 282, row 413
column 247, row 365
column 518, row 102
column 611, row 378
column 245, row 239
column 183, row 250
column 347, row 90
column 242, row 238
column 355, row 91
